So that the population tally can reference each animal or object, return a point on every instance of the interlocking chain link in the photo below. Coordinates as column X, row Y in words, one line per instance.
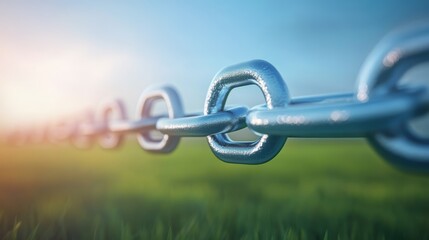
column 379, row 110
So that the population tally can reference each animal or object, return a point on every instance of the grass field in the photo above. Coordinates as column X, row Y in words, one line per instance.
column 311, row 190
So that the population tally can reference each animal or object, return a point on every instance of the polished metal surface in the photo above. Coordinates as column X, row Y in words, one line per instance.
column 266, row 77
column 136, row 126
column 380, row 110
column 347, row 119
column 175, row 110
column 380, row 75
column 204, row 125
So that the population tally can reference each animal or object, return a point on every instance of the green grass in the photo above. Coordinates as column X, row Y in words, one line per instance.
column 311, row 190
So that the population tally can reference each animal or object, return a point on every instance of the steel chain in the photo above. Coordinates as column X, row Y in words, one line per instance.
column 379, row 110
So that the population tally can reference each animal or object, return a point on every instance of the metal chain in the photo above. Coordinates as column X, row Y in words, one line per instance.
column 379, row 110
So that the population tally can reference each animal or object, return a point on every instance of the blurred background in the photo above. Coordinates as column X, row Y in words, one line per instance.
column 58, row 58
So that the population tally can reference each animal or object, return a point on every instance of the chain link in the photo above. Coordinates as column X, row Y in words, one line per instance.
column 379, row 110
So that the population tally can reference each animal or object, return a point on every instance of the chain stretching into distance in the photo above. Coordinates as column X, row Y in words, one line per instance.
column 380, row 110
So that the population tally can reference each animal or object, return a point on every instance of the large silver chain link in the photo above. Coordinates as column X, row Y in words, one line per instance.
column 379, row 110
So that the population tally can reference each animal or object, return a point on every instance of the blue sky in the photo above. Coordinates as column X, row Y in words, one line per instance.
column 59, row 57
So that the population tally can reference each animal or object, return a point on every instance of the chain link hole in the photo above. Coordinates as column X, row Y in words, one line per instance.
column 248, row 96
column 418, row 76
column 159, row 108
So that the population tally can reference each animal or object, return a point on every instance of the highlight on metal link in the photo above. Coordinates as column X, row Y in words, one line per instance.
column 380, row 110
